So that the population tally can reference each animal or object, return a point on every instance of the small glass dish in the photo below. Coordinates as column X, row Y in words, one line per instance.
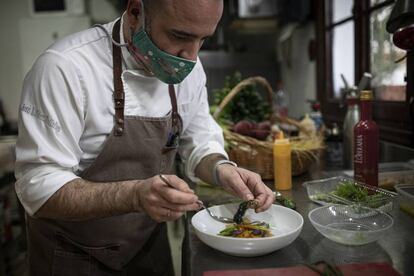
column 406, row 199
column 350, row 224
column 323, row 192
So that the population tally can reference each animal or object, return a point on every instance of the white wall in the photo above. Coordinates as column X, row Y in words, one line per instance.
column 23, row 38
column 11, row 75
column 297, row 71
column 102, row 11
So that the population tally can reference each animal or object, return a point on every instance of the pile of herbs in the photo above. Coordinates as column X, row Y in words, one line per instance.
column 248, row 104
column 355, row 193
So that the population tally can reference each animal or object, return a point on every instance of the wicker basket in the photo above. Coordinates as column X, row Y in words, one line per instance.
column 256, row 155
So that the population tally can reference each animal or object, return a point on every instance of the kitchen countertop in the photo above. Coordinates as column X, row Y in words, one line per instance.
column 397, row 248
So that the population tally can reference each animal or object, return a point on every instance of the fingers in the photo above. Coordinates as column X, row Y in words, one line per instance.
column 170, row 212
column 261, row 192
column 177, row 207
column 175, row 191
column 162, row 211
column 247, row 185
column 269, row 199
column 242, row 191
column 165, row 214
column 167, row 197
column 232, row 182
column 176, row 182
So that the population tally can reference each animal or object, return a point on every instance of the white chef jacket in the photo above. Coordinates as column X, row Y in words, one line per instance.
column 67, row 112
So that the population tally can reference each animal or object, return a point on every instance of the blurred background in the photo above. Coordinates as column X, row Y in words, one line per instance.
column 301, row 46
column 314, row 51
column 267, row 38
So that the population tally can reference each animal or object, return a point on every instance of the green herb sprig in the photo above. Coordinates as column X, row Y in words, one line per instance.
column 349, row 191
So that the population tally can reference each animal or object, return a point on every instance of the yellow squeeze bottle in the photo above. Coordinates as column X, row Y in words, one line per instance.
column 282, row 163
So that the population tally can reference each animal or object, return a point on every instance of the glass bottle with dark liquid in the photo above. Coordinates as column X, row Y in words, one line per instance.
column 366, row 143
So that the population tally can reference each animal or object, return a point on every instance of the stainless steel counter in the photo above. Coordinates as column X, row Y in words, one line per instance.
column 397, row 248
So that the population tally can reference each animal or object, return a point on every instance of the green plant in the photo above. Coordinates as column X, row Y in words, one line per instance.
column 246, row 105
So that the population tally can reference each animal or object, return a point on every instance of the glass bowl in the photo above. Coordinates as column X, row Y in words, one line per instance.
column 406, row 199
column 350, row 224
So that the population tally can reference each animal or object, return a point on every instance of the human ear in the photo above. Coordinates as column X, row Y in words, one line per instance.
column 133, row 13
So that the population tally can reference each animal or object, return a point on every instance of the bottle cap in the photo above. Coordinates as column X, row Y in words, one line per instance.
column 366, row 95
column 281, row 140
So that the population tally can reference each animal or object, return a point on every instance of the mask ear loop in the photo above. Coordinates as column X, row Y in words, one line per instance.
column 110, row 37
column 142, row 19
column 141, row 60
column 146, row 68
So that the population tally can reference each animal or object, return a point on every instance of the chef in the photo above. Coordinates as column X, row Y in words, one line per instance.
column 103, row 114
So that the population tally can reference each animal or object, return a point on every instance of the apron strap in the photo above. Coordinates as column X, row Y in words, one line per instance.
column 119, row 94
column 176, row 118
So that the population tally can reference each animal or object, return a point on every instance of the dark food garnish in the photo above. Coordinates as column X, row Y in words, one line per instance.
column 247, row 230
column 238, row 217
column 287, row 202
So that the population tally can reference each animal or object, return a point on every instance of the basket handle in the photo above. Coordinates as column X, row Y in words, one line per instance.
column 236, row 90
column 257, row 80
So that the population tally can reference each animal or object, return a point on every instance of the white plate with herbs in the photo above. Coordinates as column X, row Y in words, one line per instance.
column 284, row 225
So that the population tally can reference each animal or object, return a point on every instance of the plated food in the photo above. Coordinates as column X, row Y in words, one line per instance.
column 247, row 230
column 242, row 227
column 285, row 226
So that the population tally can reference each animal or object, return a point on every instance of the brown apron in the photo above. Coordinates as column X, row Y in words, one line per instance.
column 131, row 244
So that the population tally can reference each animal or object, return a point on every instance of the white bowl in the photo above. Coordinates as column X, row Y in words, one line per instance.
column 350, row 224
column 285, row 225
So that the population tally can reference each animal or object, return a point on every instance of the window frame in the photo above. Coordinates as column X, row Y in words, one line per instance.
column 393, row 118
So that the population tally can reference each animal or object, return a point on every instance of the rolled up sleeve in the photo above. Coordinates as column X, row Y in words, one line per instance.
column 202, row 136
column 51, row 122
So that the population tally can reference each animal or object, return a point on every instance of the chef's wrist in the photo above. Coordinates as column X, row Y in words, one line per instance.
column 219, row 163
column 135, row 193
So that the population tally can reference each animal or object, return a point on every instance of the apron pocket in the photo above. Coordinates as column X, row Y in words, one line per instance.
column 69, row 263
column 154, row 258
column 71, row 258
column 167, row 160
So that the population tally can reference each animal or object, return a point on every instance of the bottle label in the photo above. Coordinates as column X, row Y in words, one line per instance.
column 366, row 158
column 359, row 145
column 282, row 111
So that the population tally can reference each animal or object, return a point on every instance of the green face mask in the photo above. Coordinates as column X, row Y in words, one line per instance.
column 167, row 68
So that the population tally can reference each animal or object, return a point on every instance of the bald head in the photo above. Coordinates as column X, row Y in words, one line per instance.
column 198, row 17
column 199, row 12
column 176, row 26
column 152, row 5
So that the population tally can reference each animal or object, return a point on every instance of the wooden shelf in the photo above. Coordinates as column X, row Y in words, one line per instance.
column 254, row 26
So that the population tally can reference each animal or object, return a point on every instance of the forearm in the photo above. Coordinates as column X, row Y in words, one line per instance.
column 81, row 200
column 204, row 169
